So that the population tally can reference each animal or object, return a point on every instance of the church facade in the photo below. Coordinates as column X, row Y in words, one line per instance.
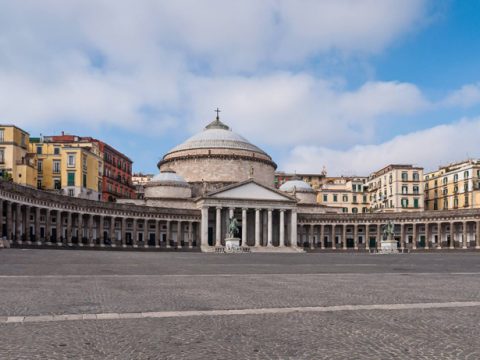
column 213, row 177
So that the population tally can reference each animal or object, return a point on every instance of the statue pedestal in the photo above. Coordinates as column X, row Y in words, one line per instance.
column 232, row 244
column 389, row 246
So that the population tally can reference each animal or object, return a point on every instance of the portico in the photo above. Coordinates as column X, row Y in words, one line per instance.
column 266, row 216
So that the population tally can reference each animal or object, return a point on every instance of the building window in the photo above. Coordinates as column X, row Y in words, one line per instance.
column 364, row 198
column 415, row 176
column 84, row 163
column 465, row 187
column 39, row 150
column 404, row 202
column 71, row 179
column 345, row 198
column 466, row 174
column 57, row 184
column 335, row 198
column 56, row 151
column 23, row 140
column 415, row 203
column 354, row 210
column 455, row 202
column 354, row 187
column 71, row 160
column 455, row 177
column 354, row 199
column 455, row 189
column 39, row 183
column 345, row 210
column 325, row 198
column 84, row 182
column 56, row 166
column 416, row 189
column 404, row 189
column 445, row 203
column 435, row 205
column 404, row 176
column 71, row 192
column 466, row 200
column 40, row 166
column 2, row 156
column 2, row 135
column 445, row 191
column 445, row 180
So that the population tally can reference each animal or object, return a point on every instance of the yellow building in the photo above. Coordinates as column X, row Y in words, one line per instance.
column 396, row 188
column 314, row 180
column 16, row 162
column 70, row 168
column 348, row 193
column 455, row 186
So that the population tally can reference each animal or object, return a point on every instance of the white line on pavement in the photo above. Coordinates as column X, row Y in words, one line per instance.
column 261, row 311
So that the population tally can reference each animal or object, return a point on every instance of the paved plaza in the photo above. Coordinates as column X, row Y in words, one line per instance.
column 64, row 304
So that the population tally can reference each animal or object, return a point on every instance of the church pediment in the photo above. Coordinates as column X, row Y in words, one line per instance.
column 252, row 191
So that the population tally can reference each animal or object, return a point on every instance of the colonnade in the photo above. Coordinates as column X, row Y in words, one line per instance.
column 260, row 227
column 454, row 234
column 35, row 225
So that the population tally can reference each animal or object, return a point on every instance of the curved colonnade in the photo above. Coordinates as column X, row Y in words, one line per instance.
column 33, row 217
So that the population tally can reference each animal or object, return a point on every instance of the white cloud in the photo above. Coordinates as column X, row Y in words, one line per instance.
column 429, row 148
column 467, row 96
column 286, row 109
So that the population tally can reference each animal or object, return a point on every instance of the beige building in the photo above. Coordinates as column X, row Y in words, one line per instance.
column 314, row 180
column 348, row 193
column 455, row 186
column 16, row 162
column 396, row 188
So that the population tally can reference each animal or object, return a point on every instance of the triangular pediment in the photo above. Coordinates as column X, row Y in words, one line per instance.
column 252, row 191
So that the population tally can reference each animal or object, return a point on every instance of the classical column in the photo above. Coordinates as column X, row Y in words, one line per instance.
column 190, row 234
column 18, row 223
column 367, row 236
column 322, row 236
column 244, row 227
column 134, row 232
column 80, row 229
column 293, row 228
column 310, row 235
column 452, row 235
column 414, row 244
column 204, row 227
column 344, row 237
column 355, row 236
column 465, row 234
column 282, row 228
column 269, row 228
column 58, row 240
column 111, row 232
column 101, row 235
column 145, row 233
column 68, row 235
column 90, row 230
column 378, row 238
column 157, row 233
column 402, row 236
column 439, row 231
column 169, row 235
column 179, row 234
column 477, row 238
column 218, row 227
column 9, row 221
column 427, row 236
column 48, row 225
column 333, row 237
column 257, row 227
column 26, row 224
column 124, row 232
column 37, row 226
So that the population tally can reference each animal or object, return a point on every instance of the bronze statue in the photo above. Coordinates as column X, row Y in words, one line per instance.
column 232, row 227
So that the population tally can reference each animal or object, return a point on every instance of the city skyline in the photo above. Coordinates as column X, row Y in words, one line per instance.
column 328, row 90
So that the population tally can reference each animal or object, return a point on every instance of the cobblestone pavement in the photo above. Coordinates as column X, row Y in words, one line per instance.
column 54, row 282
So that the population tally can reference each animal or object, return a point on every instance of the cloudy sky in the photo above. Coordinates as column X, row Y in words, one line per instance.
column 348, row 84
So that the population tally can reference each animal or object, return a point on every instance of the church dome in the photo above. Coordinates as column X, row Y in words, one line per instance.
column 296, row 185
column 217, row 135
column 168, row 176
column 217, row 157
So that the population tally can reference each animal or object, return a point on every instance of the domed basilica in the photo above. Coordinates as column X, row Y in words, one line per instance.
column 225, row 176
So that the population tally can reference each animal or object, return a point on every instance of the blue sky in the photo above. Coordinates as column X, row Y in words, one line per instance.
column 348, row 84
